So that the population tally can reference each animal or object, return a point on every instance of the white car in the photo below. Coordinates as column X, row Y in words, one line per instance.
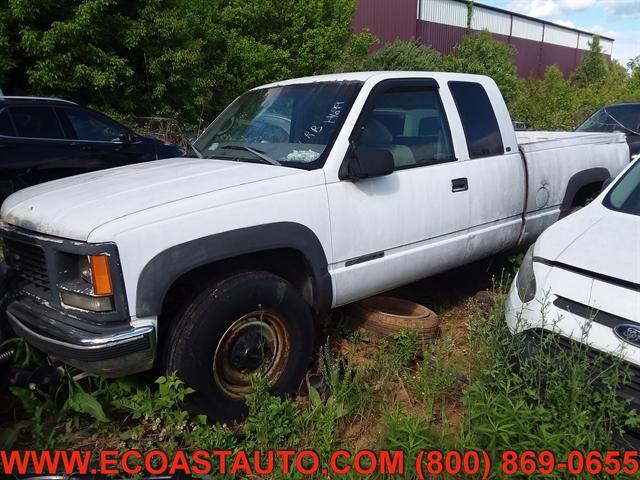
column 581, row 279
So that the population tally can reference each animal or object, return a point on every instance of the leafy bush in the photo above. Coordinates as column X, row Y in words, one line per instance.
column 404, row 55
column 533, row 393
column 479, row 53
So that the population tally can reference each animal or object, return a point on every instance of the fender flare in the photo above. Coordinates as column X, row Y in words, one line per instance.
column 579, row 180
column 167, row 266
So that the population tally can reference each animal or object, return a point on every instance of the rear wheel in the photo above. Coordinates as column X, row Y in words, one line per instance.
column 245, row 324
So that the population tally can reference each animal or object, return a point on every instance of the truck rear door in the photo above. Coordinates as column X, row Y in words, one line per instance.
column 496, row 172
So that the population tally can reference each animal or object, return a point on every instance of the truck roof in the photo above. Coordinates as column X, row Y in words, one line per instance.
column 379, row 75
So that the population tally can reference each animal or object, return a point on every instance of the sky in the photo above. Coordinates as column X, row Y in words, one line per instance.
column 618, row 19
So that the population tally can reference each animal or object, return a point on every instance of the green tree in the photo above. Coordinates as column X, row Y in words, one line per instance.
column 547, row 104
column 120, row 56
column 479, row 53
column 180, row 58
column 593, row 67
column 268, row 40
column 634, row 69
column 405, row 55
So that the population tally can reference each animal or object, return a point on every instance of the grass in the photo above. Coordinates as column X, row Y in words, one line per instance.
column 476, row 387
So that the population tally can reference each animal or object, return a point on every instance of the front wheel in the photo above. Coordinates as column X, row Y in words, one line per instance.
column 249, row 323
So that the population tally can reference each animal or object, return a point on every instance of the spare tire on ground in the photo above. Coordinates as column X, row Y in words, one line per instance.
column 382, row 316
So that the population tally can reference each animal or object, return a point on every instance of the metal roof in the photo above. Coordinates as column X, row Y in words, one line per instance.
column 534, row 19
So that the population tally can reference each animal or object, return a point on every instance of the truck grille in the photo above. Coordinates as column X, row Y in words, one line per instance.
column 29, row 262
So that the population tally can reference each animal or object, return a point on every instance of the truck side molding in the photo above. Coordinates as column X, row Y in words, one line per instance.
column 166, row 267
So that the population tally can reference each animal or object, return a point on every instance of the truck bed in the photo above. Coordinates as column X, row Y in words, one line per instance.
column 552, row 159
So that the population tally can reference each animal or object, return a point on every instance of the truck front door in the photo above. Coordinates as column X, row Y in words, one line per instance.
column 389, row 230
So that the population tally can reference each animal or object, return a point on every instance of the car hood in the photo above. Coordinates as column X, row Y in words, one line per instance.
column 597, row 240
column 73, row 207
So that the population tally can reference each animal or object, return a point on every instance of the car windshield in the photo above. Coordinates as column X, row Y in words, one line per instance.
column 617, row 118
column 625, row 195
column 290, row 125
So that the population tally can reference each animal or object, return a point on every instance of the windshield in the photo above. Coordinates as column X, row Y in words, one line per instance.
column 292, row 125
column 625, row 195
column 618, row 118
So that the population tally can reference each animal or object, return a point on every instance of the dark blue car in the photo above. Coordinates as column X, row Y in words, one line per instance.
column 44, row 139
column 621, row 117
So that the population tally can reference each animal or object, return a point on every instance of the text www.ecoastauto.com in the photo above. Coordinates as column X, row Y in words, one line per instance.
column 426, row 464
column 217, row 462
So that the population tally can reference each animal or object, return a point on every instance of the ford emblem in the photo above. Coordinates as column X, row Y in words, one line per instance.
column 628, row 333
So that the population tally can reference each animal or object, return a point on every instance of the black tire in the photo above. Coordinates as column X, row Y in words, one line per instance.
column 242, row 300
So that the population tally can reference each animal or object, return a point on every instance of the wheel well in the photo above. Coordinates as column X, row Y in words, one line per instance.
column 287, row 263
column 586, row 193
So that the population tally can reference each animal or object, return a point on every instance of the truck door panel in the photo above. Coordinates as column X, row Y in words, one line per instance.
column 389, row 230
column 496, row 172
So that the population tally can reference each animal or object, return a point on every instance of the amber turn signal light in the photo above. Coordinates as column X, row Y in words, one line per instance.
column 101, row 275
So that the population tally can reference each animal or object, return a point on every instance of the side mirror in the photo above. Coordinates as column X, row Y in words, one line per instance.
column 126, row 138
column 367, row 162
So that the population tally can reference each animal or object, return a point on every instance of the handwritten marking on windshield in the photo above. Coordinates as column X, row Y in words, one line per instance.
column 330, row 118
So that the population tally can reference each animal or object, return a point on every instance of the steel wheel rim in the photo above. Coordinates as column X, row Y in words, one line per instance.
column 257, row 342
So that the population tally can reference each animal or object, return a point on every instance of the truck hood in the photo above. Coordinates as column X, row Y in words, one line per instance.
column 597, row 240
column 73, row 207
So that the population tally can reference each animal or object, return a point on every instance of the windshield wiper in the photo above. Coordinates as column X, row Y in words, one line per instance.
column 257, row 153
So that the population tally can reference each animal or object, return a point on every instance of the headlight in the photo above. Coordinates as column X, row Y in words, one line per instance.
column 92, row 288
column 86, row 302
column 84, row 267
column 526, row 279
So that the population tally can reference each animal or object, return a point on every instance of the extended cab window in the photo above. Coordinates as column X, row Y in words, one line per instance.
column 86, row 125
column 36, row 122
column 410, row 123
column 478, row 119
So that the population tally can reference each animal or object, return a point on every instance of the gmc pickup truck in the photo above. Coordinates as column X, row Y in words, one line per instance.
column 307, row 194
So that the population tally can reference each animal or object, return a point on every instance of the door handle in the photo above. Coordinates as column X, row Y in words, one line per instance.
column 459, row 184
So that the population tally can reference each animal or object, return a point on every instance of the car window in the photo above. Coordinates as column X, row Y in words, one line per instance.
column 36, row 122
column 625, row 195
column 87, row 125
column 617, row 118
column 6, row 128
column 410, row 123
column 478, row 119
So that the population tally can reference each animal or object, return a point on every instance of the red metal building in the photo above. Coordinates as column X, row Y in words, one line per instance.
column 443, row 23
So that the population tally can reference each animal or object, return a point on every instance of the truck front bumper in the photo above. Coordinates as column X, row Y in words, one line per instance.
column 108, row 351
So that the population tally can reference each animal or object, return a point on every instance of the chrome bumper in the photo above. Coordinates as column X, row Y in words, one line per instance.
column 108, row 351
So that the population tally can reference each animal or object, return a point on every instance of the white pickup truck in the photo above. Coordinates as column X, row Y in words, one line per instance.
column 307, row 194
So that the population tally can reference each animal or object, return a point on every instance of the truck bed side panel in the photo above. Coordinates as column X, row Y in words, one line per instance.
column 553, row 159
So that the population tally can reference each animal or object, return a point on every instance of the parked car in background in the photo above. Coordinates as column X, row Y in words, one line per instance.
column 308, row 194
column 581, row 279
column 44, row 139
column 621, row 117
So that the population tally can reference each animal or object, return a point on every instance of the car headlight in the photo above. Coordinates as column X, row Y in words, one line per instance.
column 526, row 279
column 84, row 268
column 92, row 289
